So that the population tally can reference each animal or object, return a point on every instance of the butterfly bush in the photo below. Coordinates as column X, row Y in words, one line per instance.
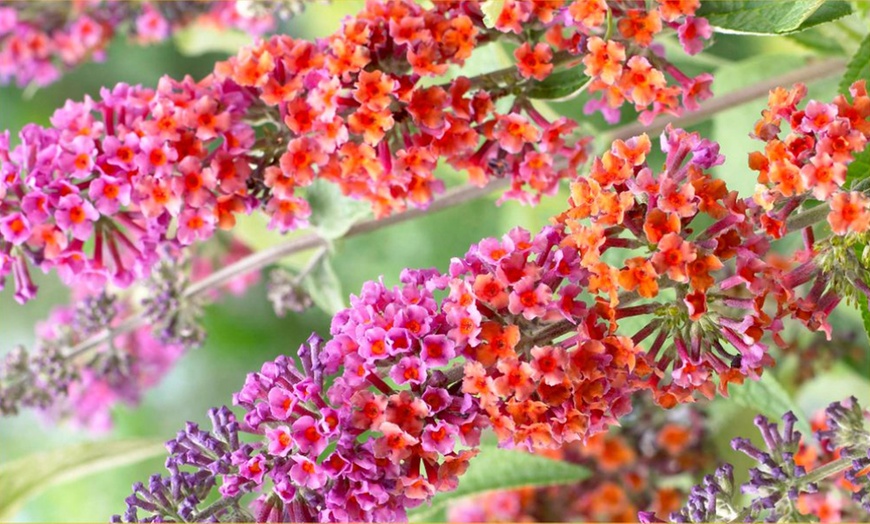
column 534, row 321
column 119, row 182
column 41, row 41
column 120, row 371
column 787, row 482
column 93, row 195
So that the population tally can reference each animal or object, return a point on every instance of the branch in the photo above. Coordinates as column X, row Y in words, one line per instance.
column 265, row 257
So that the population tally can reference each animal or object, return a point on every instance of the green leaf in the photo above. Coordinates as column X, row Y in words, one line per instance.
column 770, row 17
column 324, row 286
column 859, row 169
column 199, row 39
column 559, row 86
column 829, row 11
column 498, row 469
column 858, row 68
column 23, row 478
column 332, row 213
column 768, row 397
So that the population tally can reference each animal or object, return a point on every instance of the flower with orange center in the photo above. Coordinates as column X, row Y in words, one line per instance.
column 604, row 60
column 676, row 199
column 427, row 108
column 374, row 90
column 674, row 438
column 639, row 274
column 643, row 80
column 590, row 13
column 849, row 213
column 658, row 224
column 498, row 343
column 548, row 363
column 673, row 256
column 534, row 63
column 640, row 26
column 610, row 170
column 514, row 131
column 699, row 271
column 515, row 379
column 633, row 151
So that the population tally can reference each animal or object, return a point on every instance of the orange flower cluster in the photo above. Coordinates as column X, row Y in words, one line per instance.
column 630, row 465
column 352, row 108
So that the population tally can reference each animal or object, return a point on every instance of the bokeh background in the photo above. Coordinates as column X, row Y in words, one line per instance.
column 243, row 331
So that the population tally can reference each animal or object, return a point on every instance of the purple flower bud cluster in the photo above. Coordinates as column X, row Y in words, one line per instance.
column 179, row 497
column 847, row 431
column 780, row 487
column 33, row 380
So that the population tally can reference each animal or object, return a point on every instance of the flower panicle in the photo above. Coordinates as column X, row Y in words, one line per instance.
column 116, row 179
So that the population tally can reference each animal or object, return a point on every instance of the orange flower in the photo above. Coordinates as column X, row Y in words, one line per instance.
column 514, row 131
column 674, row 438
column 699, row 271
column 643, row 80
column 373, row 125
column 658, row 224
column 604, row 60
column 677, row 200
column 427, row 108
column 373, row 90
column 615, row 453
column 516, row 379
column 590, row 13
column 673, row 9
column 640, row 26
column 634, row 151
column 673, row 256
column 849, row 213
column 639, row 274
column 498, row 342
column 610, row 170
column 534, row 63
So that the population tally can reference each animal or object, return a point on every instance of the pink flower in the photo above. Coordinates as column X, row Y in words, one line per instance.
column 438, row 350
column 35, row 205
column 77, row 216
column 79, row 162
column 439, row 438
column 155, row 157
column 151, row 26
column 281, row 403
column 121, row 153
column 409, row 370
column 307, row 473
column 692, row 33
column 15, row 228
column 530, row 301
column 109, row 193
column 254, row 469
column 280, row 441
column 308, row 436
column 195, row 224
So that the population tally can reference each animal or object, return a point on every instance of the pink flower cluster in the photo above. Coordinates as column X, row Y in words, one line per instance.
column 38, row 42
column 379, row 375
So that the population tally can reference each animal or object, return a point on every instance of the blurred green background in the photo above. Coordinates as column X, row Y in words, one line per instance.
column 244, row 332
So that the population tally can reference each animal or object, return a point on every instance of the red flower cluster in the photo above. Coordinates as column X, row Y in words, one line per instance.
column 140, row 168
